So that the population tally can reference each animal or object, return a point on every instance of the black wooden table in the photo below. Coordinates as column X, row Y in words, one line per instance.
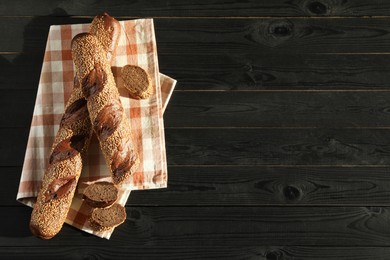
column 277, row 135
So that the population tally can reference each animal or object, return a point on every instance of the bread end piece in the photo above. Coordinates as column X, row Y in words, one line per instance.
column 41, row 233
column 107, row 29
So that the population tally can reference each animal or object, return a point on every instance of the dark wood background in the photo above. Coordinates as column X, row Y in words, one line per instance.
column 277, row 135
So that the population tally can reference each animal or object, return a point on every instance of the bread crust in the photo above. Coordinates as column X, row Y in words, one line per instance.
column 107, row 29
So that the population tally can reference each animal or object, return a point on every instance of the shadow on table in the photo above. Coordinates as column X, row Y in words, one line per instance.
column 15, row 222
column 20, row 72
column 25, row 67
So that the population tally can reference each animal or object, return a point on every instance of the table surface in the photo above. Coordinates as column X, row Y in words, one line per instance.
column 277, row 134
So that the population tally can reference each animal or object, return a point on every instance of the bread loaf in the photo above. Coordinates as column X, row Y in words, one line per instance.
column 65, row 162
column 108, row 118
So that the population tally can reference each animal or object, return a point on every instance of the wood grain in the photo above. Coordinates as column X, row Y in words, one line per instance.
column 238, row 72
column 29, row 34
column 272, row 36
column 250, row 146
column 240, row 146
column 244, row 109
column 253, row 186
column 20, row 72
column 277, row 136
column 219, row 226
column 12, row 115
column 8, row 192
column 261, row 186
column 198, row 252
column 278, row 109
column 219, row 8
column 13, row 146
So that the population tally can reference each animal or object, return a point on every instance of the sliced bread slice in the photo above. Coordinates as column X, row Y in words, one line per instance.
column 103, row 219
column 137, row 81
column 100, row 194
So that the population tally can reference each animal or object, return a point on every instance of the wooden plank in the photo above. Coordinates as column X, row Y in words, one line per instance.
column 243, row 109
column 20, row 71
column 253, row 186
column 17, row 107
column 194, row 8
column 197, row 252
column 261, row 186
column 10, row 186
column 238, row 72
column 250, row 146
column 219, row 226
column 235, row 71
column 278, row 109
column 226, row 36
column 272, row 36
column 13, row 146
column 29, row 34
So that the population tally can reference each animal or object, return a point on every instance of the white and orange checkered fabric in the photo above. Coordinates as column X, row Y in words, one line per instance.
column 137, row 46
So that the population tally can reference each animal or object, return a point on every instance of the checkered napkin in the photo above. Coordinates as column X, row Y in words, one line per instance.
column 137, row 46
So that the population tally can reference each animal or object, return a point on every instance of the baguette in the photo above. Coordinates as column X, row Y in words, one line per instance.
column 109, row 121
column 65, row 163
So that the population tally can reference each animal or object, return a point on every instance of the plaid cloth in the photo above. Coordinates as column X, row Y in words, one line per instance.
column 136, row 46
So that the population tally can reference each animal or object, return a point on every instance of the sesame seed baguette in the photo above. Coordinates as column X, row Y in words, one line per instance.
column 108, row 118
column 71, row 141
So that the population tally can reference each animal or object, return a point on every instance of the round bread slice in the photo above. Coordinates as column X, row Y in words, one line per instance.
column 100, row 194
column 137, row 81
column 103, row 219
